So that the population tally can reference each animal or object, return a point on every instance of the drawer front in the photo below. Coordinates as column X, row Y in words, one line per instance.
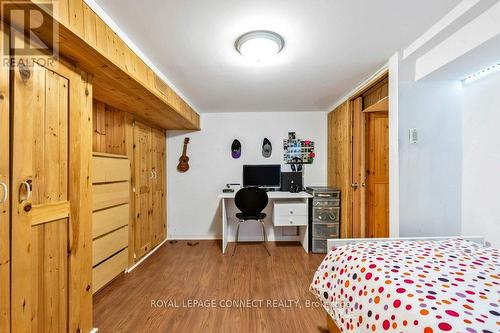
column 326, row 202
column 107, row 220
column 108, row 270
column 326, row 214
column 108, row 195
column 109, row 244
column 290, row 220
column 298, row 209
column 108, row 169
column 319, row 246
column 325, row 230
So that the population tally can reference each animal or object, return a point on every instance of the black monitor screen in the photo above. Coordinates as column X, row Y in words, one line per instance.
column 262, row 175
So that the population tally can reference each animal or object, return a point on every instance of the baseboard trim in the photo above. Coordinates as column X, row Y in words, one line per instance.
column 130, row 269
column 242, row 238
column 194, row 237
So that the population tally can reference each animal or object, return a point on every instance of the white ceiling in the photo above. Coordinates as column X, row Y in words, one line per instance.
column 330, row 46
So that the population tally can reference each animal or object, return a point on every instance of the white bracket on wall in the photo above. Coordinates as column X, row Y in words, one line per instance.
column 413, row 136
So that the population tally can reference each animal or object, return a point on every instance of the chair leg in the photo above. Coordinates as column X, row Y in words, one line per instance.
column 265, row 237
column 237, row 238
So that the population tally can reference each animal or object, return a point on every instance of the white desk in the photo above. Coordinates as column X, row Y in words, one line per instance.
column 273, row 196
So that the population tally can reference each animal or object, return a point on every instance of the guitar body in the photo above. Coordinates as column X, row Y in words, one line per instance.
column 183, row 165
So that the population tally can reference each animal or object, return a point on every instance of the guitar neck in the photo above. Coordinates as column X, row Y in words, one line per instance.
column 184, row 150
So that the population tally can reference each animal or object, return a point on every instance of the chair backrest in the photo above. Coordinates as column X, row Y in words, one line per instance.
column 251, row 201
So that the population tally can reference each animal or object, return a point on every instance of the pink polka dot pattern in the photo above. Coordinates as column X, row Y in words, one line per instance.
column 411, row 286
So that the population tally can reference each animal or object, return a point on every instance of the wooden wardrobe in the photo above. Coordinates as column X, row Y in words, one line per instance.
column 358, row 160
column 120, row 133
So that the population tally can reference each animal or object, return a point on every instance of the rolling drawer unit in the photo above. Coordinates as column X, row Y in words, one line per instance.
column 324, row 217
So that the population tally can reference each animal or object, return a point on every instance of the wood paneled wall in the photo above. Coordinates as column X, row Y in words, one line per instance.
column 80, row 193
column 339, row 161
column 108, row 129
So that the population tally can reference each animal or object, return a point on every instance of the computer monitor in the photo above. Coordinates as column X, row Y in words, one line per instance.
column 268, row 176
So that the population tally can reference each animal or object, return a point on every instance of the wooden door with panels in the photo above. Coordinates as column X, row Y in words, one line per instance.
column 143, row 222
column 377, row 175
column 358, row 182
column 41, row 207
column 51, row 199
column 158, row 186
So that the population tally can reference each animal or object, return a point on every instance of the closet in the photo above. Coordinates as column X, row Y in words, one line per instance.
column 121, row 134
column 149, row 188
column 358, row 160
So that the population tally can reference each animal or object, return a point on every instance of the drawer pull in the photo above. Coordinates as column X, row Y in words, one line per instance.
column 291, row 211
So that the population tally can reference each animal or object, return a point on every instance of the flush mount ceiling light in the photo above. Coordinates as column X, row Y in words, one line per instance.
column 259, row 45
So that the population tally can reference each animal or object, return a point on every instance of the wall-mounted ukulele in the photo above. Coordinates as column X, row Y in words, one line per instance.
column 183, row 165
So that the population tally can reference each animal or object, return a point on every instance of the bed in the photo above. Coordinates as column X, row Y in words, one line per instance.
column 410, row 285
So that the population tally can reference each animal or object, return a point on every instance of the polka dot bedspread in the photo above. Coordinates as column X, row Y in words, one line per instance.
column 411, row 286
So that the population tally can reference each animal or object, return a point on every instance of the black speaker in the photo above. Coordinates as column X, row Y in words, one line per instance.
column 291, row 182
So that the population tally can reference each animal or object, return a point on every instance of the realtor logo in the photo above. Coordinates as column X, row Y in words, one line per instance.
column 33, row 34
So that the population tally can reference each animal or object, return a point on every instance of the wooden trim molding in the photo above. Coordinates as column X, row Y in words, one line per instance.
column 381, row 106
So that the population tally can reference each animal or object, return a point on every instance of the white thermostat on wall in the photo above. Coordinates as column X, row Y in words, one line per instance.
column 413, row 136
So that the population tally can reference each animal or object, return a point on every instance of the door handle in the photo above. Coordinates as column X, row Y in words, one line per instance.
column 355, row 186
column 27, row 187
column 5, row 192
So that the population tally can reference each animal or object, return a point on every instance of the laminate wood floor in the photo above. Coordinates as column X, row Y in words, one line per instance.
column 177, row 276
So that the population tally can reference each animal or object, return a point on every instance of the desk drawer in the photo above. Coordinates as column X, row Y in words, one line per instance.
column 290, row 220
column 290, row 209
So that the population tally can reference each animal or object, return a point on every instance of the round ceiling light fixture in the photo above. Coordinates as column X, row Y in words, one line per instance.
column 259, row 45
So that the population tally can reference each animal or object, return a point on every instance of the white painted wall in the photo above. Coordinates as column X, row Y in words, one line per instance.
column 430, row 172
column 194, row 211
column 481, row 159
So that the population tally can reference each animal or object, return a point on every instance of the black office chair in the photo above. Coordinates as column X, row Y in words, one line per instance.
column 251, row 201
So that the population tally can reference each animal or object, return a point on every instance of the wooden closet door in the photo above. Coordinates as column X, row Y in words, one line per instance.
column 377, row 175
column 40, row 205
column 143, row 192
column 158, row 186
column 358, row 182
column 4, row 192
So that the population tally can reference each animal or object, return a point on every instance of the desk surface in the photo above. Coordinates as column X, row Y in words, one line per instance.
column 273, row 195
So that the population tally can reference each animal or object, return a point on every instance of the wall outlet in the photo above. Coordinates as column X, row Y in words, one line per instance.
column 413, row 136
